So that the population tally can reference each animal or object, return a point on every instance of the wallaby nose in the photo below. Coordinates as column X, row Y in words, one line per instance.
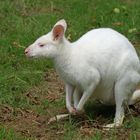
column 26, row 51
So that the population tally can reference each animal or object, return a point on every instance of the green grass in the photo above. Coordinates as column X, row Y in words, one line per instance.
column 23, row 21
column 6, row 134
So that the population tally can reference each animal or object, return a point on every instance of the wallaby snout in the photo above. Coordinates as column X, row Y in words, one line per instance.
column 26, row 52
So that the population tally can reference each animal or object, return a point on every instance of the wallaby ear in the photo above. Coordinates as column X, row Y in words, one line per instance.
column 59, row 29
column 58, row 32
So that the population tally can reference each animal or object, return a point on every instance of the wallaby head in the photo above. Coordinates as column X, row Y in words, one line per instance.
column 48, row 45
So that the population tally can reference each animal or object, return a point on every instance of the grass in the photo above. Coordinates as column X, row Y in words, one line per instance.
column 10, row 135
column 22, row 21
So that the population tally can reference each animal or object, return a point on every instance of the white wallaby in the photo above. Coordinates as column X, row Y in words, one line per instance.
column 101, row 65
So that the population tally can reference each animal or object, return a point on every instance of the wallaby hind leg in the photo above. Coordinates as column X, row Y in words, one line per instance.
column 124, row 89
column 77, row 96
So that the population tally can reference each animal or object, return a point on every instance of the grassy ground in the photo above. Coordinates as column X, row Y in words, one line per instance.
column 27, row 97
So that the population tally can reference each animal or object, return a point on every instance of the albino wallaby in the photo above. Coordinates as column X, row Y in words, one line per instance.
column 101, row 65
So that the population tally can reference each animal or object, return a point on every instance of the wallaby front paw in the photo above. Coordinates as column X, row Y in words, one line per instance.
column 79, row 111
column 72, row 110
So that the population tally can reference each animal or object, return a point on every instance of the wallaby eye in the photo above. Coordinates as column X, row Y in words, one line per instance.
column 41, row 45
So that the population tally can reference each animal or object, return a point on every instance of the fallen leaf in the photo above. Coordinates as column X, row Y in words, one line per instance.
column 116, row 10
column 133, row 30
column 117, row 23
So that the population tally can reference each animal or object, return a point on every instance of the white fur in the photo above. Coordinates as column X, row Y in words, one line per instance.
column 101, row 65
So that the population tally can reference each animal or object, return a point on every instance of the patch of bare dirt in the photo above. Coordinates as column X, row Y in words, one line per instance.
column 29, row 122
column 51, row 89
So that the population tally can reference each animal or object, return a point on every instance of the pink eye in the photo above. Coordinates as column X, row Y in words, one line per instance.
column 41, row 45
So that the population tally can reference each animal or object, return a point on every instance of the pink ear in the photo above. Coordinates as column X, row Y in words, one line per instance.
column 58, row 32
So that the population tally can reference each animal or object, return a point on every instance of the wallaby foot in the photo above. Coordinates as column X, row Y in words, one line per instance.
column 117, row 123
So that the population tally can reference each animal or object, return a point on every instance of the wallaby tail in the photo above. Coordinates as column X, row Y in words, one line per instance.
column 135, row 97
